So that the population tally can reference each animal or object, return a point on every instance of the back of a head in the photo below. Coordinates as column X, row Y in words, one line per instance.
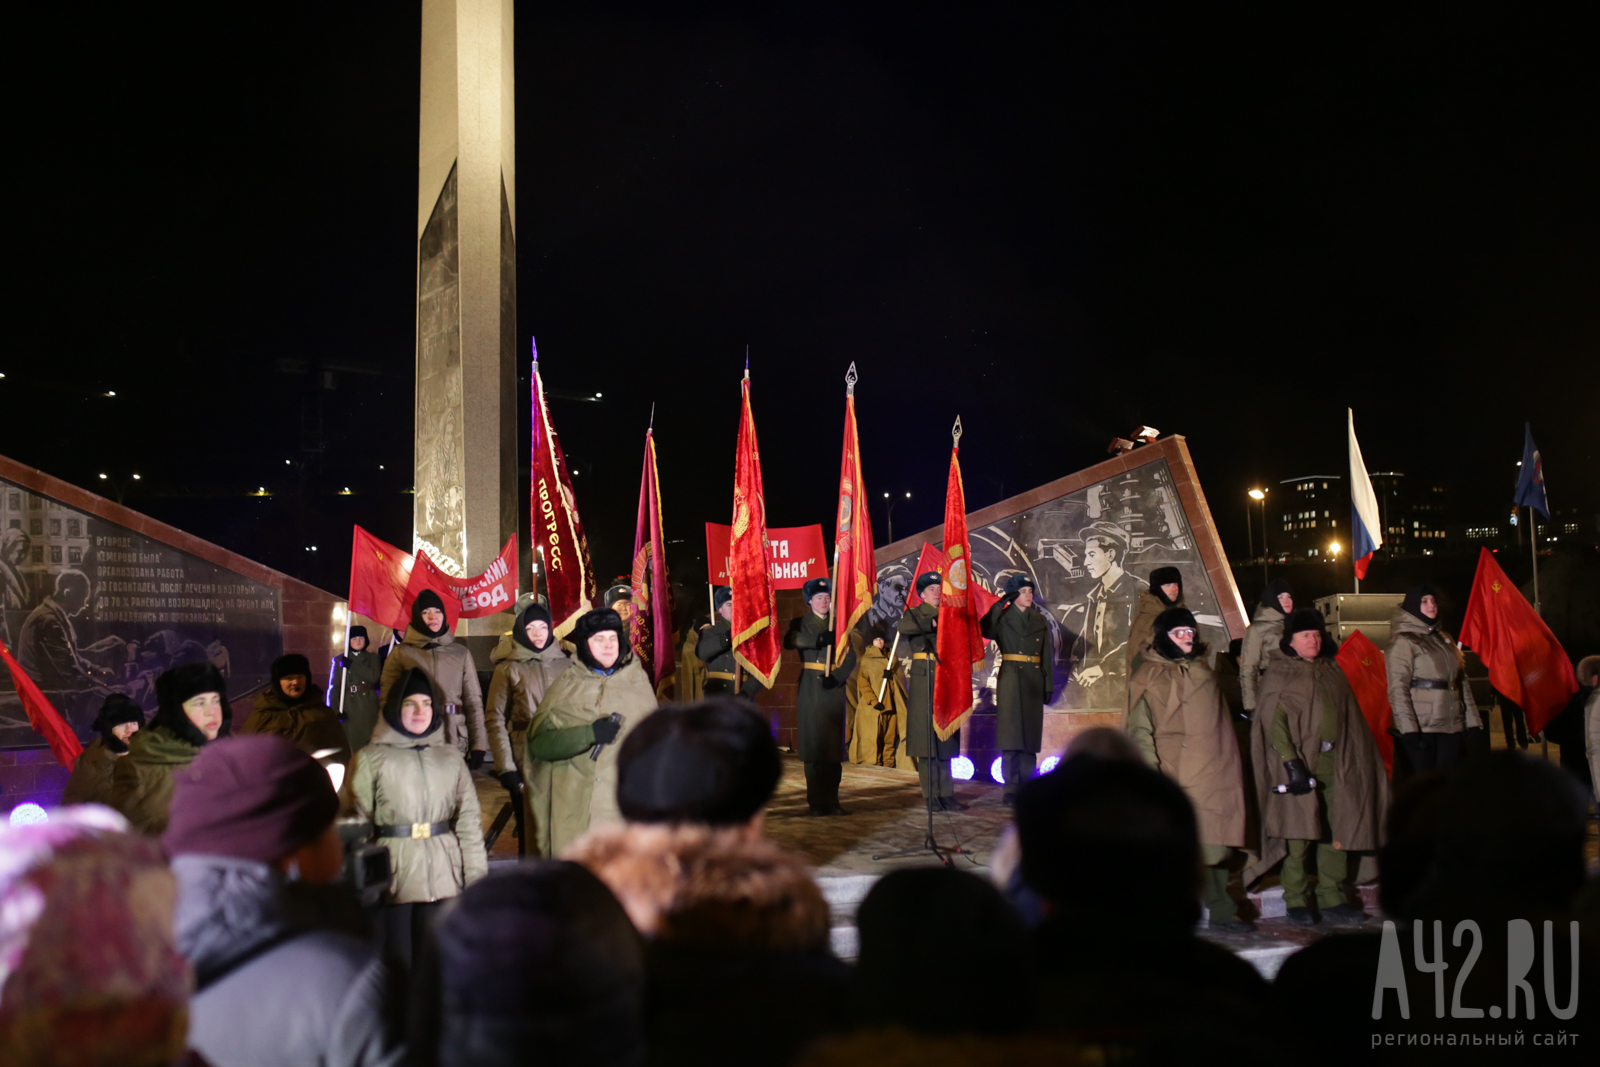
column 255, row 797
column 1112, row 836
column 534, row 965
column 911, row 924
column 713, row 762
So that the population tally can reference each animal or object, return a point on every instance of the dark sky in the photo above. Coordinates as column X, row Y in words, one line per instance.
column 1059, row 221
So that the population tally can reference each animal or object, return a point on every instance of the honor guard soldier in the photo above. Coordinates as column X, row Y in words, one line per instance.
column 919, row 631
column 1027, row 681
column 715, row 649
column 821, row 700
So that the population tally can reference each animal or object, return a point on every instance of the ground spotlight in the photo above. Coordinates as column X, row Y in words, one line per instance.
column 29, row 814
column 1050, row 763
column 997, row 772
column 961, row 767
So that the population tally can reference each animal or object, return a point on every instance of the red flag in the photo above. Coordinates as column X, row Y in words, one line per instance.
column 855, row 575
column 42, row 716
column 755, row 608
column 959, row 641
column 650, row 627
column 557, row 531
column 931, row 559
column 1525, row 660
column 795, row 554
column 1363, row 666
column 379, row 575
column 493, row 591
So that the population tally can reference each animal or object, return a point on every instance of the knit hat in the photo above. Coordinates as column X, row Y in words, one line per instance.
column 720, row 596
column 925, row 580
column 1017, row 582
column 594, row 622
column 117, row 710
column 359, row 631
column 713, row 762
column 255, row 797
column 531, row 614
column 813, row 587
column 1269, row 595
column 616, row 593
column 415, row 682
column 291, row 664
column 1413, row 603
column 1166, row 576
column 1300, row 620
column 181, row 683
column 1172, row 619
column 428, row 599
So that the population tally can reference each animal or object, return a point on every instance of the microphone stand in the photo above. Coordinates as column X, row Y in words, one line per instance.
column 930, row 845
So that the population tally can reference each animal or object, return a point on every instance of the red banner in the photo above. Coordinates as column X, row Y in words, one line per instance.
column 650, row 627
column 493, row 591
column 755, row 609
column 1525, row 660
column 1362, row 663
column 379, row 576
column 42, row 715
column 795, row 554
column 558, row 539
column 959, row 639
column 857, row 571
column 931, row 559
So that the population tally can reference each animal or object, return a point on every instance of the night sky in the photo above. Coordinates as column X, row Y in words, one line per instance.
column 1059, row 221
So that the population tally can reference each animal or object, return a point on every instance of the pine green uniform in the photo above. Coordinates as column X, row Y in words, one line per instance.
column 1026, row 684
column 918, row 633
column 356, row 677
column 820, row 706
column 715, row 649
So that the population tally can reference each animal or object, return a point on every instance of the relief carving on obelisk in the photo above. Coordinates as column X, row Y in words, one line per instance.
column 439, row 520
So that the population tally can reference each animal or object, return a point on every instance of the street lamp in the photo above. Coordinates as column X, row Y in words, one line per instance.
column 889, row 512
column 1261, row 495
column 1334, row 550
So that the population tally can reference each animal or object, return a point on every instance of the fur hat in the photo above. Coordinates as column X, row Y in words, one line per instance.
column 428, row 599
column 813, row 587
column 1172, row 619
column 117, row 710
column 255, row 797
column 1166, row 576
column 1413, row 603
column 531, row 614
column 1017, row 582
column 925, row 580
column 616, row 593
column 720, row 596
column 1589, row 671
column 877, row 631
column 1269, row 595
column 288, row 665
column 594, row 622
column 1300, row 620
column 181, row 683
column 359, row 631
column 713, row 762
column 415, row 682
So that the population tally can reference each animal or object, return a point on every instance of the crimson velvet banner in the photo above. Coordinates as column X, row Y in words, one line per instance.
column 795, row 554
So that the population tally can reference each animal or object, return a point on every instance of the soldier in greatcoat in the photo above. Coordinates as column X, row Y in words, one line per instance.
column 1026, row 683
column 919, row 632
column 820, row 702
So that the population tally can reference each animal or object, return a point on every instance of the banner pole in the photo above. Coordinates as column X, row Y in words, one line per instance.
column 1533, row 548
column 344, row 683
column 832, row 604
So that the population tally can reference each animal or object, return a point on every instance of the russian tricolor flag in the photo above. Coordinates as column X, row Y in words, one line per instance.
column 1366, row 533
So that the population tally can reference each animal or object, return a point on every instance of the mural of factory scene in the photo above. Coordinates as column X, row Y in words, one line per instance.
column 90, row 608
column 1090, row 554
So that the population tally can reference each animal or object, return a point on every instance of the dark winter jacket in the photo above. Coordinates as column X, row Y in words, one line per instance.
column 274, row 984
column 1027, row 675
column 919, row 639
column 820, row 696
column 356, row 674
column 91, row 775
column 141, row 781
column 305, row 721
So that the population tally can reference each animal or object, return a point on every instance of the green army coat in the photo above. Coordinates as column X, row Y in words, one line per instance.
column 1260, row 641
column 306, row 721
column 1179, row 720
column 567, row 791
column 820, row 702
column 1422, row 652
column 918, row 628
column 455, row 682
column 1023, row 688
column 90, row 782
column 521, row 679
column 397, row 781
column 141, row 782
column 355, row 681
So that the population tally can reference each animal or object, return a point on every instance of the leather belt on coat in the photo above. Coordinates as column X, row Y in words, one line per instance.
column 726, row 676
column 922, row 655
column 815, row 666
column 1014, row 657
column 452, row 709
column 1428, row 683
column 417, row 831
column 361, row 689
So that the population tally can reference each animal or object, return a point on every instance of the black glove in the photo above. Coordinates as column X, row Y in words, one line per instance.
column 475, row 759
column 605, row 731
column 512, row 781
column 1010, row 598
column 877, row 707
column 825, row 640
column 1299, row 777
column 1419, row 749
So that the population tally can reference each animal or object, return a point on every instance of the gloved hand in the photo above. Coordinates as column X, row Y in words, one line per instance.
column 1419, row 749
column 475, row 759
column 878, row 706
column 830, row 682
column 512, row 780
column 605, row 731
column 825, row 639
column 1299, row 777
column 1011, row 598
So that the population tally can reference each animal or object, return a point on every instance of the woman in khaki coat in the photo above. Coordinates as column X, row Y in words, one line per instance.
column 119, row 719
column 1166, row 591
column 418, row 794
column 1177, row 717
column 1432, row 703
column 526, row 661
column 879, row 737
column 430, row 645
column 572, row 745
column 1266, row 627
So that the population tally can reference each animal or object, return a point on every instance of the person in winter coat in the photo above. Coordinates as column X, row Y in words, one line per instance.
column 430, row 645
column 191, row 711
column 418, row 794
column 1277, row 601
column 919, row 634
column 819, row 701
column 526, row 662
column 1319, row 778
column 90, row 972
column 1027, row 681
column 90, row 783
column 880, row 734
column 1428, row 692
column 732, row 922
column 292, row 709
column 571, row 757
column 284, row 970
column 714, row 648
column 691, row 668
column 1177, row 717
column 1589, row 676
column 355, row 681
column 1165, row 592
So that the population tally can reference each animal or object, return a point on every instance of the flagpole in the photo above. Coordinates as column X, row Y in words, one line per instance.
column 1533, row 547
column 850, row 379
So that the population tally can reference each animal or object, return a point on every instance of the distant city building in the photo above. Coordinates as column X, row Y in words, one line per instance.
column 1315, row 516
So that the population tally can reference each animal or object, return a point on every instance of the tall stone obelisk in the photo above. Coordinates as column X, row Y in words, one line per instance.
column 465, row 439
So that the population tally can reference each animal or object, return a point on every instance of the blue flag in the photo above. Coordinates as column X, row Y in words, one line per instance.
column 1530, row 483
